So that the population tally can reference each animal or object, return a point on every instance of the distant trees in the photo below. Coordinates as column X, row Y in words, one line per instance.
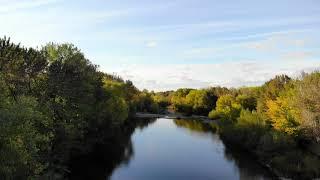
column 163, row 99
column 200, row 102
column 229, row 106
column 145, row 103
column 193, row 101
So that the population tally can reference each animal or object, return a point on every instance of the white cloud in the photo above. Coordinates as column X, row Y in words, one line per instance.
column 277, row 42
column 297, row 55
column 231, row 74
column 201, row 52
column 151, row 44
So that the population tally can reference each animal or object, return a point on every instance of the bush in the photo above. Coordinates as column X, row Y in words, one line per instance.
column 252, row 120
column 250, row 127
column 214, row 114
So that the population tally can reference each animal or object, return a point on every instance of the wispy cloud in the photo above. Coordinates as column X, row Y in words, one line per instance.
column 230, row 74
column 298, row 55
column 192, row 44
column 14, row 5
column 277, row 42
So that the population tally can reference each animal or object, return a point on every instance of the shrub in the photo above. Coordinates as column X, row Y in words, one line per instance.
column 214, row 114
column 251, row 127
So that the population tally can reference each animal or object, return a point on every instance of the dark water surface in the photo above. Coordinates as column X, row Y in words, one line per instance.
column 183, row 149
column 164, row 149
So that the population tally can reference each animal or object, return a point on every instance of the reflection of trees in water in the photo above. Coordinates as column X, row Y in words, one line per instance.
column 115, row 148
column 142, row 123
column 108, row 151
column 248, row 166
column 195, row 125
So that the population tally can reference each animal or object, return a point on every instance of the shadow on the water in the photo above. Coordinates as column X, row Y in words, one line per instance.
column 116, row 148
column 248, row 166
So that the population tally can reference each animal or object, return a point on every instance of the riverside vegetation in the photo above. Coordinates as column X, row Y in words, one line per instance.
column 279, row 122
column 55, row 105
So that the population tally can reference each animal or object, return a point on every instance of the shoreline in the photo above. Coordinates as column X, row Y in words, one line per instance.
column 205, row 119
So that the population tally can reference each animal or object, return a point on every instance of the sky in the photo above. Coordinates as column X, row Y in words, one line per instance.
column 163, row 45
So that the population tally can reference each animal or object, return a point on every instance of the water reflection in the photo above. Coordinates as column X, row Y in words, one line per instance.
column 196, row 126
column 246, row 164
column 167, row 149
column 186, row 149
column 105, row 156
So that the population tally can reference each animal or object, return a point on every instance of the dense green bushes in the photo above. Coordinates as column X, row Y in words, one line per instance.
column 146, row 103
column 23, row 137
column 192, row 101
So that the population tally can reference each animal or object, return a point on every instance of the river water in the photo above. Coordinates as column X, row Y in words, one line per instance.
column 184, row 149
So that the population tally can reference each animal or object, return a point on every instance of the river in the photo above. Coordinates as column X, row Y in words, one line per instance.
column 185, row 149
column 165, row 149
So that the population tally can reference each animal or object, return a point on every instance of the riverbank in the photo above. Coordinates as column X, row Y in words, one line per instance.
column 205, row 119
column 280, row 154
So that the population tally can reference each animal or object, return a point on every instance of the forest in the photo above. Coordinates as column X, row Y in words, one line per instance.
column 55, row 103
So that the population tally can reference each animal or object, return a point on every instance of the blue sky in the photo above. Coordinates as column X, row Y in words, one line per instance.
column 163, row 44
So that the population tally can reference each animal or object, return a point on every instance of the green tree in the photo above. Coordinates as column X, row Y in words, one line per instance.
column 24, row 137
column 228, row 108
column 179, row 103
column 247, row 102
column 20, row 68
column 199, row 101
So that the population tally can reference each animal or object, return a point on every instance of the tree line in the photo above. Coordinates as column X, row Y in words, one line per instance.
column 54, row 103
